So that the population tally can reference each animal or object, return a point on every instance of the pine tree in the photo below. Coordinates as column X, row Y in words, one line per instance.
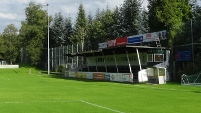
column 144, row 25
column 57, row 30
column 68, row 31
column 116, row 25
column 80, row 26
column 89, row 33
column 130, row 11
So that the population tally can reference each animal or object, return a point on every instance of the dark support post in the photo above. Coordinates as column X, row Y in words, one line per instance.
column 116, row 62
column 96, row 63
column 104, row 61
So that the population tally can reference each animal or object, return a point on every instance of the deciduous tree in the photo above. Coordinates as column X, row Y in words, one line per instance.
column 10, row 43
column 33, row 32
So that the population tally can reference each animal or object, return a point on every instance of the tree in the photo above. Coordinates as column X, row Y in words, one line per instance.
column 109, row 22
column 168, row 14
column 34, row 32
column 144, row 25
column 96, row 30
column 68, row 31
column 89, row 39
column 130, row 11
column 57, row 30
column 116, row 25
column 10, row 43
column 1, row 48
column 80, row 26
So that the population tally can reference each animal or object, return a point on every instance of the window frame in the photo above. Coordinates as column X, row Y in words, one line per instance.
column 157, row 60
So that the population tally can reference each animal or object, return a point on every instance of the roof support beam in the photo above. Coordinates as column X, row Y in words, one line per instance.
column 104, row 61
column 138, row 56
column 116, row 62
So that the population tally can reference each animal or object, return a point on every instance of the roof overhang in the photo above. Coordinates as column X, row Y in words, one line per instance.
column 115, row 49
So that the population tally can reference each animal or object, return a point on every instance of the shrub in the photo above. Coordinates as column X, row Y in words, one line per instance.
column 60, row 68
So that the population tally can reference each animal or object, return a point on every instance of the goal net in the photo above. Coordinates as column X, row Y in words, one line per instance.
column 191, row 79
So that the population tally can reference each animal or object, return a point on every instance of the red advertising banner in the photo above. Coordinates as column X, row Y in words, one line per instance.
column 111, row 43
column 99, row 76
column 121, row 41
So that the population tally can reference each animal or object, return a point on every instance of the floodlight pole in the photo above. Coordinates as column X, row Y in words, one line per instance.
column 48, row 42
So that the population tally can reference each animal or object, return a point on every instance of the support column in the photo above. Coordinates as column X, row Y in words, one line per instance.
column 116, row 62
column 138, row 56
column 96, row 63
column 104, row 61
column 129, row 64
column 131, row 73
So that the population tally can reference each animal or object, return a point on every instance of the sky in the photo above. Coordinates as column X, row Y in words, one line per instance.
column 13, row 11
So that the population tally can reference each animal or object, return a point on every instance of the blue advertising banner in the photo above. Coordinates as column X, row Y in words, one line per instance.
column 135, row 39
column 183, row 55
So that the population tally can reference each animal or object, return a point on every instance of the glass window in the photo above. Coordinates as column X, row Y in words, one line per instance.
column 149, row 58
column 158, row 57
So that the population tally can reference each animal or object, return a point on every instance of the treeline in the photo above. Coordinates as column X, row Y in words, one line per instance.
column 181, row 18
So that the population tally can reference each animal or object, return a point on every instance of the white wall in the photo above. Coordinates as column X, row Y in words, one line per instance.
column 9, row 66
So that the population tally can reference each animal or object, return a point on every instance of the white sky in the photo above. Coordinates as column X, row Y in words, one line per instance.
column 13, row 11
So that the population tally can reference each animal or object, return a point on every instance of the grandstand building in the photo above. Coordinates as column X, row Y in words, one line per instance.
column 138, row 58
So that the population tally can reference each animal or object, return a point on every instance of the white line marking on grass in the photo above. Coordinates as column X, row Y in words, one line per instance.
column 39, row 102
column 100, row 106
column 171, row 89
column 5, row 78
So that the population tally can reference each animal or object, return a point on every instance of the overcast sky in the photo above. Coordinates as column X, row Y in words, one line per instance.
column 13, row 11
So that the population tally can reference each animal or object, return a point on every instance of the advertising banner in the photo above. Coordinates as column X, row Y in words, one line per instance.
column 150, row 37
column 72, row 74
column 99, row 76
column 121, row 77
column 81, row 75
column 121, row 41
column 116, row 77
column 89, row 75
column 135, row 39
column 102, row 45
column 183, row 55
column 107, row 76
column 126, row 77
column 111, row 43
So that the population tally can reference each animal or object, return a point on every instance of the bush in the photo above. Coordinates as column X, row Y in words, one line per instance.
column 60, row 68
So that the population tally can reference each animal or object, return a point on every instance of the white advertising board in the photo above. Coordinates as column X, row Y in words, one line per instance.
column 120, row 77
column 126, row 77
column 102, row 45
column 116, row 77
column 89, row 75
column 142, row 76
column 150, row 37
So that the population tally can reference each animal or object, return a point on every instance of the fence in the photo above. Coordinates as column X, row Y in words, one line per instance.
column 58, row 57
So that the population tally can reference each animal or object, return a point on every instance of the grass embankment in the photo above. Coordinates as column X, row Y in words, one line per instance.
column 27, row 90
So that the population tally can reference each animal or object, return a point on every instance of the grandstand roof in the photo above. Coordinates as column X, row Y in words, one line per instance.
column 115, row 49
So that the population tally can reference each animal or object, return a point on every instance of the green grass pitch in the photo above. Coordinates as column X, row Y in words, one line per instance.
column 28, row 90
